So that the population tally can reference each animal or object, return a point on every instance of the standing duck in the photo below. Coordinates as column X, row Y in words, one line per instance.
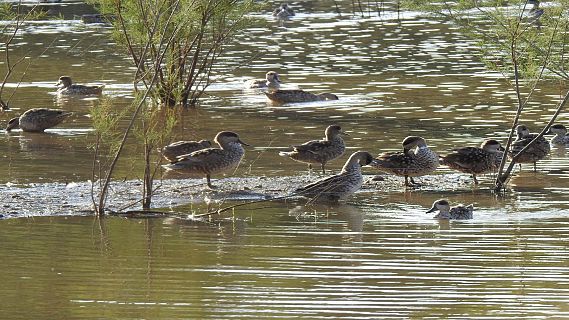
column 339, row 186
column 37, row 120
column 212, row 160
column 174, row 150
column 272, row 81
column 474, row 160
column 459, row 212
column 66, row 87
column 291, row 96
column 537, row 151
column 561, row 137
column 409, row 163
column 319, row 151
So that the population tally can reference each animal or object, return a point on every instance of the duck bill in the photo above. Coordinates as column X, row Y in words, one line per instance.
column 243, row 143
column 433, row 209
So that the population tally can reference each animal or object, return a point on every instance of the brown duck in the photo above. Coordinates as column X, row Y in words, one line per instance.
column 37, row 120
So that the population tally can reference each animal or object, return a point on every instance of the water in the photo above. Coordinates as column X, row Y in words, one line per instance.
column 378, row 256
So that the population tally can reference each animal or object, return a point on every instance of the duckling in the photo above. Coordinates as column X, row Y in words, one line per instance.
column 290, row 96
column 272, row 81
column 283, row 12
column 409, row 163
column 475, row 160
column 212, row 160
column 539, row 150
column 339, row 186
column 37, row 119
column 174, row 150
column 561, row 137
column 66, row 87
column 459, row 212
column 319, row 151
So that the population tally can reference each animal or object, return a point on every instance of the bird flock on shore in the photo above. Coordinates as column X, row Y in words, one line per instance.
column 202, row 159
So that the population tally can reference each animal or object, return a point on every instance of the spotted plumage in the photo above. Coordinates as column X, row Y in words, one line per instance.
column 537, row 151
column 319, row 151
column 459, row 212
column 272, row 81
column 291, row 96
column 174, row 150
column 66, row 87
column 37, row 119
column 411, row 162
column 209, row 161
column 339, row 186
column 474, row 160
column 561, row 137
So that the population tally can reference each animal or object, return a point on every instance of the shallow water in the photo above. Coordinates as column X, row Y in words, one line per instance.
column 396, row 75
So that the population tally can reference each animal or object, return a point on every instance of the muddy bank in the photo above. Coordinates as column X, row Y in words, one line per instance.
column 51, row 199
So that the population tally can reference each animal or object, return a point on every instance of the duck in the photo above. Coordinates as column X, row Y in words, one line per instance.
column 446, row 212
column 341, row 185
column 66, row 87
column 37, row 119
column 535, row 12
column 537, row 151
column 174, row 150
column 283, row 12
column 475, row 160
column 411, row 162
column 272, row 81
column 320, row 151
column 561, row 137
column 209, row 161
column 297, row 95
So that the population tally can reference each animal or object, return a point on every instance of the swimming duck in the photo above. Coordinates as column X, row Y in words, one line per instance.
column 539, row 150
column 561, row 137
column 289, row 96
column 319, row 151
column 409, row 163
column 283, row 12
column 341, row 185
column 535, row 11
column 212, row 160
column 474, row 160
column 37, row 119
column 272, row 81
column 459, row 212
column 67, row 87
column 172, row 151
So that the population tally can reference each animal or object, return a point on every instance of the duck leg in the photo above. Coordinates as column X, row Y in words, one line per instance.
column 535, row 166
column 475, row 180
column 323, row 170
column 209, row 185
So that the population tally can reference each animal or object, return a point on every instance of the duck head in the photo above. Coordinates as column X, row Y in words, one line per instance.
column 64, row 82
column 412, row 142
column 441, row 205
column 14, row 123
column 227, row 137
column 491, row 146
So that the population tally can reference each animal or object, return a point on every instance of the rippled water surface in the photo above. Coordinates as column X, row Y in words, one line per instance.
column 378, row 256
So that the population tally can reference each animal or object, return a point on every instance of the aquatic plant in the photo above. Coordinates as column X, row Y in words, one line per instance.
column 197, row 33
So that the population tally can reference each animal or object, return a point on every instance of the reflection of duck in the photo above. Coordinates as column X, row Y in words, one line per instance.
column 291, row 96
column 341, row 185
column 537, row 151
column 174, row 150
column 283, row 12
column 409, row 163
column 213, row 160
column 319, row 151
column 474, row 160
column 272, row 80
column 459, row 212
column 37, row 119
column 66, row 86
column 561, row 137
